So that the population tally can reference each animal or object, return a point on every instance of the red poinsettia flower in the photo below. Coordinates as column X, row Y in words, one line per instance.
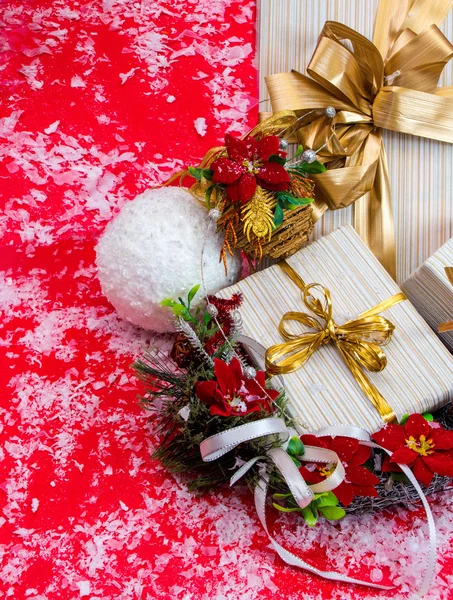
column 232, row 394
column 359, row 481
column 422, row 446
column 248, row 165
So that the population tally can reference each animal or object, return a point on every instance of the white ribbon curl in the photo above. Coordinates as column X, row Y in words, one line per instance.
column 217, row 445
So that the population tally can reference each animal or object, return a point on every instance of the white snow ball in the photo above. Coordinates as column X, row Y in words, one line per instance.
column 152, row 250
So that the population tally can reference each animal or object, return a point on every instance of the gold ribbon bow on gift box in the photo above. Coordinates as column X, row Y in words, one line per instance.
column 391, row 84
column 448, row 325
column 358, row 340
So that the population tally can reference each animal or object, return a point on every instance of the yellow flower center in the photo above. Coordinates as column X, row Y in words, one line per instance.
column 252, row 166
column 421, row 446
column 327, row 470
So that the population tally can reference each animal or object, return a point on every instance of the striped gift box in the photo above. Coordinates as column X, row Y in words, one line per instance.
column 419, row 372
column 421, row 170
column 431, row 293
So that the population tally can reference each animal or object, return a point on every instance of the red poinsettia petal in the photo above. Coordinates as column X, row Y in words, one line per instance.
column 391, row 437
column 311, row 440
column 422, row 472
column 403, row 456
column 236, row 148
column 273, row 173
column 221, row 410
column 311, row 476
column 344, row 492
column 225, row 376
column 362, row 454
column 365, row 490
column 439, row 462
column 443, row 439
column 226, row 170
column 345, row 447
column 252, row 148
column 389, row 467
column 232, row 191
column 273, row 187
column 205, row 391
column 236, row 369
column 246, row 187
column 267, row 146
column 361, row 476
column 416, row 426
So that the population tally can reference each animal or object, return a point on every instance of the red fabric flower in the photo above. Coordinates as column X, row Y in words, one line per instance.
column 359, row 481
column 232, row 393
column 248, row 165
column 422, row 446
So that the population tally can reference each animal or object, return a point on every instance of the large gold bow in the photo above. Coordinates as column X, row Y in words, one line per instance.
column 448, row 325
column 358, row 340
column 390, row 83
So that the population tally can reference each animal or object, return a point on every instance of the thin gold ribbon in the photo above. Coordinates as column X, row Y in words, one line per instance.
column 389, row 83
column 448, row 325
column 358, row 340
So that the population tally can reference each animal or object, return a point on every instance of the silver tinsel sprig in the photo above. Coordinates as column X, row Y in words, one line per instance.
column 183, row 326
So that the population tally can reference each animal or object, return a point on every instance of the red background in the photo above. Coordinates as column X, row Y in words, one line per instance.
column 85, row 512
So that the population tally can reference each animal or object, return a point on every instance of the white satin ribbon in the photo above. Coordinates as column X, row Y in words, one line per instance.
column 217, row 445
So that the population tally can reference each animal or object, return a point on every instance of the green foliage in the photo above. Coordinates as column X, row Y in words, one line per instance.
column 310, row 168
column 427, row 416
column 325, row 504
column 207, row 196
column 276, row 158
column 287, row 201
column 181, row 309
column 278, row 215
column 295, row 447
column 198, row 173
column 299, row 151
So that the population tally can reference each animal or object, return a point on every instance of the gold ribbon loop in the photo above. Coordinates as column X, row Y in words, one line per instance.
column 389, row 83
column 358, row 340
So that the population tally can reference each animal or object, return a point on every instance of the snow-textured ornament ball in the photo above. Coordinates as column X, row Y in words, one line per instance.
column 152, row 251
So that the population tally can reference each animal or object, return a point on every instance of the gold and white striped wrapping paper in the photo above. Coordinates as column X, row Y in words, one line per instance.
column 419, row 373
column 431, row 293
column 420, row 170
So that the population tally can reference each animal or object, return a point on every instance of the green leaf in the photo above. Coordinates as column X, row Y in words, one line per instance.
column 198, row 173
column 295, row 447
column 314, row 167
column 185, row 314
column 332, row 513
column 276, row 158
column 281, row 495
column 179, row 309
column 295, row 202
column 278, row 215
column 207, row 196
column 296, row 462
column 195, row 172
column 287, row 510
column 207, row 174
column 310, row 516
column 299, row 150
column 428, row 417
column 169, row 302
column 206, row 319
column 404, row 418
column 192, row 293
column 326, row 499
